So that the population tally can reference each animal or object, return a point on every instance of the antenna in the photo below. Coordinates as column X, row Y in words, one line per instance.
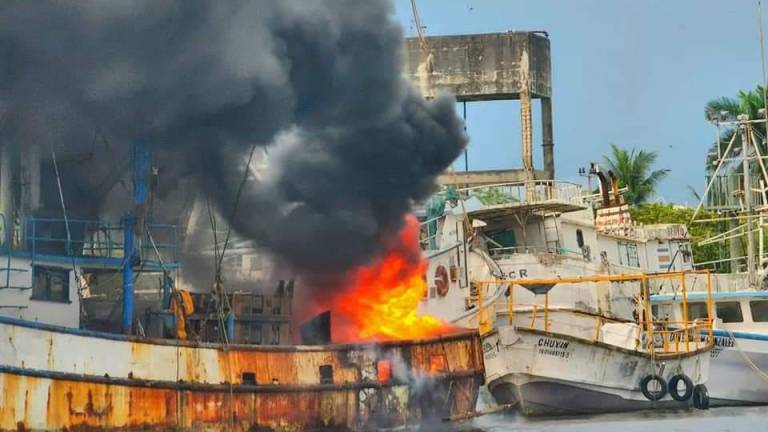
column 762, row 53
column 420, row 29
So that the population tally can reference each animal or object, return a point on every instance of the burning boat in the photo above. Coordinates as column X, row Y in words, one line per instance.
column 173, row 361
column 115, row 325
column 56, row 378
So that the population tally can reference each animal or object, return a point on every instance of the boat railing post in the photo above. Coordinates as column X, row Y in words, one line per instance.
column 647, row 312
column 685, row 311
column 511, row 304
column 34, row 238
column 598, row 326
column 710, row 319
column 546, row 311
column 482, row 323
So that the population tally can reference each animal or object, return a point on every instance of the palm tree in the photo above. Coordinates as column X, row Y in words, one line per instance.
column 725, row 108
column 633, row 170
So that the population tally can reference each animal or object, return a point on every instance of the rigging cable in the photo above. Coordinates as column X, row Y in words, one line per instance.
column 238, row 195
column 69, row 232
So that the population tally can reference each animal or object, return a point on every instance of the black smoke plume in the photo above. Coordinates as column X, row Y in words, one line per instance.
column 319, row 82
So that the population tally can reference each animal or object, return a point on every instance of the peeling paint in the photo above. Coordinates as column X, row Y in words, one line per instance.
column 82, row 385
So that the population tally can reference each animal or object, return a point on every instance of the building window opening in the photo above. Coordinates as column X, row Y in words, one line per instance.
column 579, row 238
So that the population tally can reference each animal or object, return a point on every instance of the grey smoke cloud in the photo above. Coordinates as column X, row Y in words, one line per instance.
column 352, row 145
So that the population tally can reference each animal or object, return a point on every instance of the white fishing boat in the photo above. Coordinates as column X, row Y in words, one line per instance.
column 739, row 359
column 491, row 235
column 565, row 332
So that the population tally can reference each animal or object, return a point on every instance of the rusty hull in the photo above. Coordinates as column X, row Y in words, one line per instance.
column 263, row 388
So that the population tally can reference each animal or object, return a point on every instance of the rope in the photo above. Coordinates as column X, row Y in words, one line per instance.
column 219, row 284
column 217, row 298
column 237, row 204
column 69, row 232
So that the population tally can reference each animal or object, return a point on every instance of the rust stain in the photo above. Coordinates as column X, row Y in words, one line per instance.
column 43, row 403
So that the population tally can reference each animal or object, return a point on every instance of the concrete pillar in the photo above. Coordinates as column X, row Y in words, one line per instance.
column 526, row 129
column 547, row 137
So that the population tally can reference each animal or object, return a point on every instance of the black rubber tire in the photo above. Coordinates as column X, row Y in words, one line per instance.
column 653, row 396
column 672, row 387
column 701, row 397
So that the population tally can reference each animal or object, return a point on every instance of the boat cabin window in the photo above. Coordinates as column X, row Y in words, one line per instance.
column 759, row 310
column 628, row 254
column 685, row 251
column 729, row 312
column 50, row 284
column 663, row 311
column 696, row 310
column 579, row 238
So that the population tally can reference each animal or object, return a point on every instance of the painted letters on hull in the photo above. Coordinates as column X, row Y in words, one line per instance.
column 547, row 374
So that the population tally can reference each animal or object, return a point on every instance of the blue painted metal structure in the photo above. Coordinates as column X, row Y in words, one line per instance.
column 129, row 223
column 141, row 161
column 231, row 325
column 700, row 295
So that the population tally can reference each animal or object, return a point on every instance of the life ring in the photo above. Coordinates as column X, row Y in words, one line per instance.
column 700, row 397
column 441, row 281
column 674, row 391
column 653, row 395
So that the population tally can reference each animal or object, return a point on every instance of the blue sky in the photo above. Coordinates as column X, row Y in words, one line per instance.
column 631, row 73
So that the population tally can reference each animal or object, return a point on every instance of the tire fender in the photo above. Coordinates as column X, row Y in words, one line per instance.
column 651, row 395
column 673, row 387
column 701, row 397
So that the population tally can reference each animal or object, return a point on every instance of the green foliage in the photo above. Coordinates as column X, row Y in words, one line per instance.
column 745, row 102
column 493, row 196
column 633, row 169
column 667, row 213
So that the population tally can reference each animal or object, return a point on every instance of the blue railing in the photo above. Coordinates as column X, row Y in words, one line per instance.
column 97, row 240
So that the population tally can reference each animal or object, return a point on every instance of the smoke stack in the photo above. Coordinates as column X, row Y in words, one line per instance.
column 604, row 189
column 615, row 188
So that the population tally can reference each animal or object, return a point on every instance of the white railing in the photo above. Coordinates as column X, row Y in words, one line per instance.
column 534, row 250
column 530, row 192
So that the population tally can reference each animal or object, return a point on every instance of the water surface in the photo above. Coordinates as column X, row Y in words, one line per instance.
column 751, row 419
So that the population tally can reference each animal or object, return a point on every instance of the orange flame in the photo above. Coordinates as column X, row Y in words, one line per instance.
column 383, row 298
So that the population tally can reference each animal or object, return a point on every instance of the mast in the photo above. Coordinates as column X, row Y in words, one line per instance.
column 132, row 222
column 746, row 136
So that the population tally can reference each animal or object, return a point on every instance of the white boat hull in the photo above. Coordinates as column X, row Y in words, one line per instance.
column 733, row 380
column 549, row 374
